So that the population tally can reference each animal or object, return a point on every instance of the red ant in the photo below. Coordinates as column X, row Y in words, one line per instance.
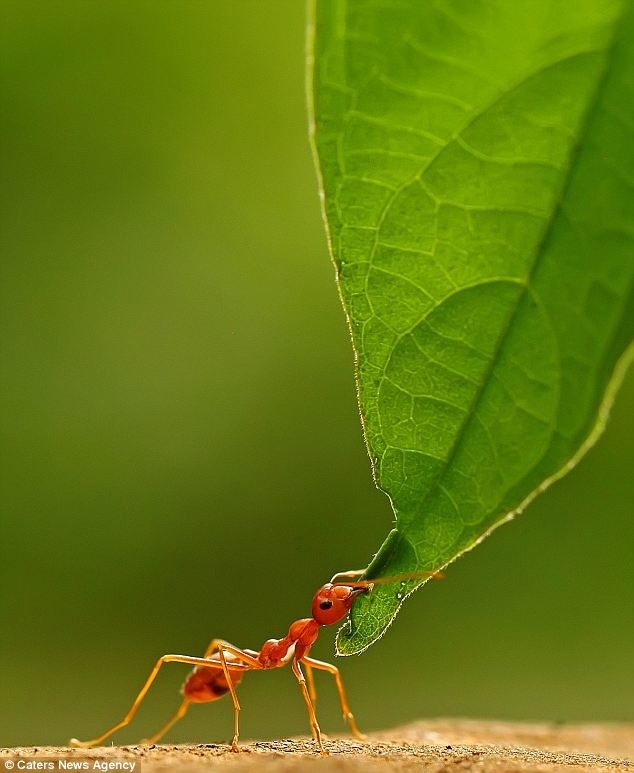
column 222, row 666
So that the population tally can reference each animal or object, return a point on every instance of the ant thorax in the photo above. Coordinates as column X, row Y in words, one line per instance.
column 276, row 652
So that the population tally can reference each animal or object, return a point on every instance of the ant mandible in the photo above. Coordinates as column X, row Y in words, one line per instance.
column 223, row 665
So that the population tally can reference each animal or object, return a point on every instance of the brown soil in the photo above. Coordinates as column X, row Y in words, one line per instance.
column 430, row 745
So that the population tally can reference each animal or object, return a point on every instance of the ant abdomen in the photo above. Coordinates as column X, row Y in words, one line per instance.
column 208, row 683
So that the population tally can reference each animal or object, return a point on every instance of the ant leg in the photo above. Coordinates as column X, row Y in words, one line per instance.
column 309, row 706
column 187, row 659
column 182, row 710
column 234, row 698
column 348, row 716
column 310, row 679
column 248, row 657
column 186, row 703
column 214, row 644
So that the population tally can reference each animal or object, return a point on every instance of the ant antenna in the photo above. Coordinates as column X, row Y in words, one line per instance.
column 437, row 575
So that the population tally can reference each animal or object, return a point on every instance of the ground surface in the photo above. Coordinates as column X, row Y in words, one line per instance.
column 430, row 745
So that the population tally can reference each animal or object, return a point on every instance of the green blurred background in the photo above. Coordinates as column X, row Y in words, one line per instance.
column 181, row 452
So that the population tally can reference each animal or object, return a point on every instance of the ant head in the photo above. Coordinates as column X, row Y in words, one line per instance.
column 333, row 601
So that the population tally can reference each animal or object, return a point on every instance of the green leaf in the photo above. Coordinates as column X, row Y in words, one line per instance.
column 477, row 162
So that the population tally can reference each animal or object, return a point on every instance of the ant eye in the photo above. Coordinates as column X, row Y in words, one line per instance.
column 325, row 605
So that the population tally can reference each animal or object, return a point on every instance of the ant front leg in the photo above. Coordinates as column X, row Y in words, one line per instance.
column 309, row 705
column 348, row 716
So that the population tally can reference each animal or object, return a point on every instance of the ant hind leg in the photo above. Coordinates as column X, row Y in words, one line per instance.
column 187, row 659
column 182, row 710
